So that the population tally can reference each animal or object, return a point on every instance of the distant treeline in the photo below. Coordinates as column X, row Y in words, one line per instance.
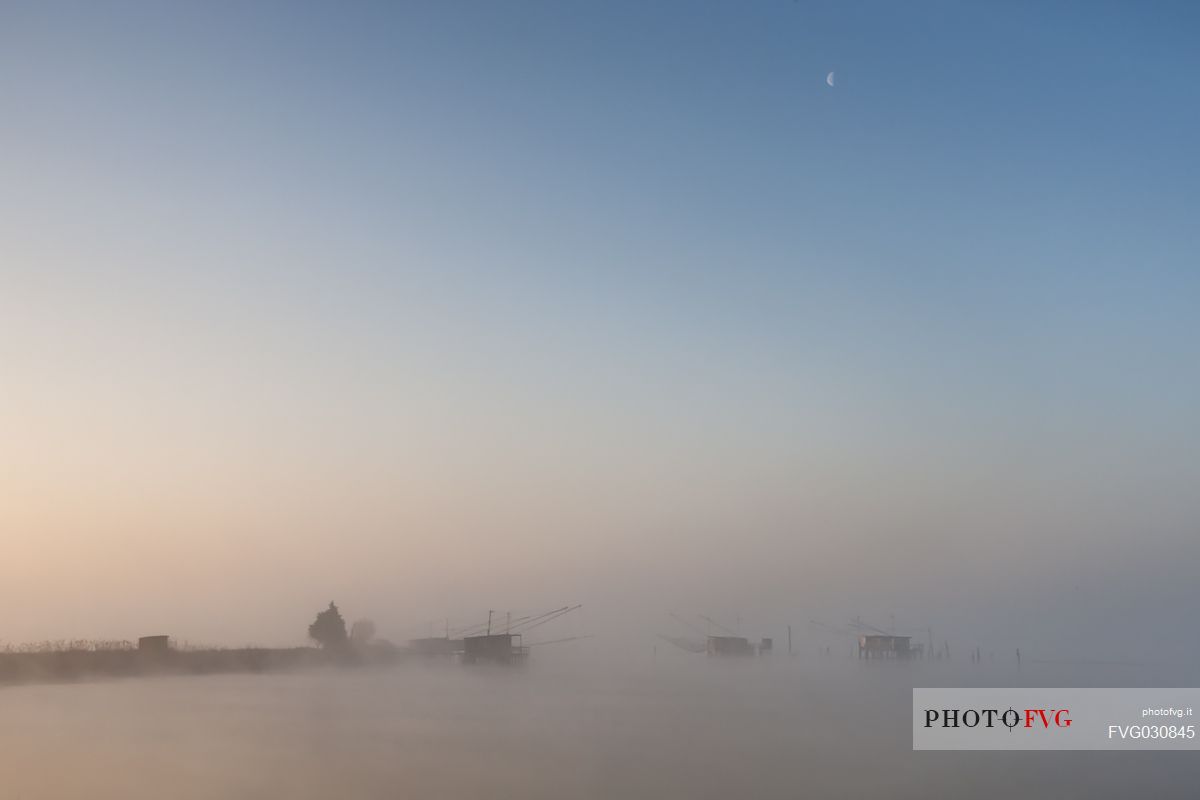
column 72, row 661
column 79, row 659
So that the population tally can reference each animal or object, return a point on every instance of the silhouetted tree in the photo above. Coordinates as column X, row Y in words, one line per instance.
column 362, row 632
column 328, row 629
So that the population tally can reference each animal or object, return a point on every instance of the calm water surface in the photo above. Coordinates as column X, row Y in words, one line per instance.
column 671, row 728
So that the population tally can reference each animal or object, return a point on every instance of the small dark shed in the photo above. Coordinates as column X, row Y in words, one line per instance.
column 729, row 646
column 154, row 644
column 498, row 648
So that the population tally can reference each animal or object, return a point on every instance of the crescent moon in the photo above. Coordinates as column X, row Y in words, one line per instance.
column 829, row 79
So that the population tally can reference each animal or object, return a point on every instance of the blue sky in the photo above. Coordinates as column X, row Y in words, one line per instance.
column 640, row 245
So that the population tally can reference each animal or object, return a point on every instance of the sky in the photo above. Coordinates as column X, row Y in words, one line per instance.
column 434, row 308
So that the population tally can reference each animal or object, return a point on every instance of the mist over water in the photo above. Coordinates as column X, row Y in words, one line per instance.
column 446, row 310
column 667, row 727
